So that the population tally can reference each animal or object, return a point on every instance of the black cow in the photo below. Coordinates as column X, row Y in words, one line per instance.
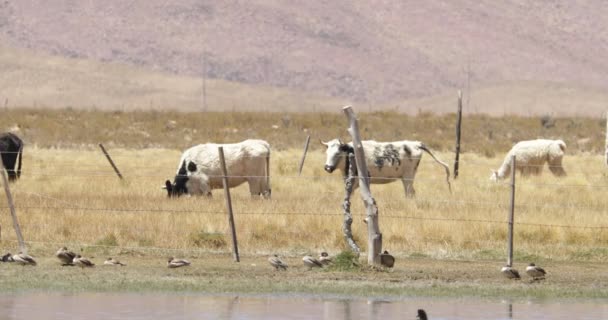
column 11, row 148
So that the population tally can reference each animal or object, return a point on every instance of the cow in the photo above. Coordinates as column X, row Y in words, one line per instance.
column 531, row 156
column 386, row 161
column 200, row 171
column 11, row 148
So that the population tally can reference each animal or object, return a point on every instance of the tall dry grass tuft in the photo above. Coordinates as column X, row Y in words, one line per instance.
column 72, row 196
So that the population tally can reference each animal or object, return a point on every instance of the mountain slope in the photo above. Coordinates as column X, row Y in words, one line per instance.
column 377, row 52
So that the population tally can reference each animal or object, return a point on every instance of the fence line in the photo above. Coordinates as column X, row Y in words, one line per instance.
column 283, row 213
column 109, row 174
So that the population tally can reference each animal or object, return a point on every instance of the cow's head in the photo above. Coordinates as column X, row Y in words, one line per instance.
column 179, row 185
column 336, row 151
column 494, row 176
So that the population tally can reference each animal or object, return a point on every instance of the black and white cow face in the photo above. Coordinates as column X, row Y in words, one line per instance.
column 179, row 186
column 336, row 152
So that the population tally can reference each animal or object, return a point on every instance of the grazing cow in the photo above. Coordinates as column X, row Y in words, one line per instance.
column 530, row 157
column 386, row 161
column 200, row 170
column 11, row 148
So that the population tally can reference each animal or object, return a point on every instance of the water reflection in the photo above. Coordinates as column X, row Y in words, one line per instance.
column 193, row 306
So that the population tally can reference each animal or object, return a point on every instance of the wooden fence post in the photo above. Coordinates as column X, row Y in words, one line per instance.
column 458, row 125
column 11, row 207
column 511, row 215
column 110, row 160
column 235, row 247
column 349, row 180
column 374, row 241
column 304, row 155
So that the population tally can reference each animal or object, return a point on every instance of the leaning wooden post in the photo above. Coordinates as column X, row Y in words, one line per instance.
column 110, row 160
column 235, row 247
column 511, row 214
column 373, row 229
column 11, row 207
column 349, row 180
column 304, row 155
column 458, row 124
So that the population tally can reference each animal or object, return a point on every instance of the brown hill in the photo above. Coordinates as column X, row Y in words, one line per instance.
column 375, row 53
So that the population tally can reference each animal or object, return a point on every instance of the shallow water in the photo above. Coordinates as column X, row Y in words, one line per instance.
column 109, row 306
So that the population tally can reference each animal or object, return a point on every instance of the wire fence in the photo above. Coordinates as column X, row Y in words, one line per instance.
column 390, row 210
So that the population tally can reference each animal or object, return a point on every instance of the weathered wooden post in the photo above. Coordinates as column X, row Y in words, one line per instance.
column 458, row 125
column 11, row 207
column 304, row 155
column 110, row 160
column 349, row 180
column 374, row 242
column 235, row 247
column 511, row 215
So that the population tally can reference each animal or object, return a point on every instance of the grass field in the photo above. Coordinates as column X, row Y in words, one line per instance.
column 69, row 195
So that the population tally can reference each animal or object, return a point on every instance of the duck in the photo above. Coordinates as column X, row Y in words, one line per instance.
column 176, row 263
column 311, row 262
column 8, row 257
column 387, row 260
column 23, row 259
column 536, row 272
column 65, row 256
column 421, row 315
column 82, row 262
column 113, row 262
column 277, row 263
column 510, row 273
column 324, row 258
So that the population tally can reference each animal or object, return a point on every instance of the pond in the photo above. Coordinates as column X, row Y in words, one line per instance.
column 109, row 306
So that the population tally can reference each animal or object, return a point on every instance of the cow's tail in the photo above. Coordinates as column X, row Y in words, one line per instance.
column 445, row 165
column 19, row 164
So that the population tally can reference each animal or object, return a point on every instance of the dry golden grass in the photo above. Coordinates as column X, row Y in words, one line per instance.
column 71, row 196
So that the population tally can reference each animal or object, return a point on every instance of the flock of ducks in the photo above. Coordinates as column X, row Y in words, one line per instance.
column 324, row 259
column 309, row 261
column 532, row 270
column 69, row 258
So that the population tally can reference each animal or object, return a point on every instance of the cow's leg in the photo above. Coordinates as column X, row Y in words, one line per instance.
column 408, row 178
column 555, row 165
column 255, row 187
column 408, row 186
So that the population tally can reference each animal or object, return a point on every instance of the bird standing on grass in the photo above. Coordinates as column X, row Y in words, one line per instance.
column 324, row 258
column 277, row 263
column 24, row 259
column 421, row 315
column 113, row 262
column 82, row 262
column 311, row 262
column 176, row 263
column 387, row 260
column 536, row 272
column 510, row 273
column 65, row 256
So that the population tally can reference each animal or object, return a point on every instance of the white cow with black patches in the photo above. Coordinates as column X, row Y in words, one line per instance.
column 386, row 161
column 200, row 170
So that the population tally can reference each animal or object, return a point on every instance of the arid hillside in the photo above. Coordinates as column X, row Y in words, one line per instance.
column 405, row 55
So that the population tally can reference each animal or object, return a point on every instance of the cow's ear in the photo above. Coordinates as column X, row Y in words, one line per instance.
column 169, row 187
column 324, row 143
column 340, row 141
